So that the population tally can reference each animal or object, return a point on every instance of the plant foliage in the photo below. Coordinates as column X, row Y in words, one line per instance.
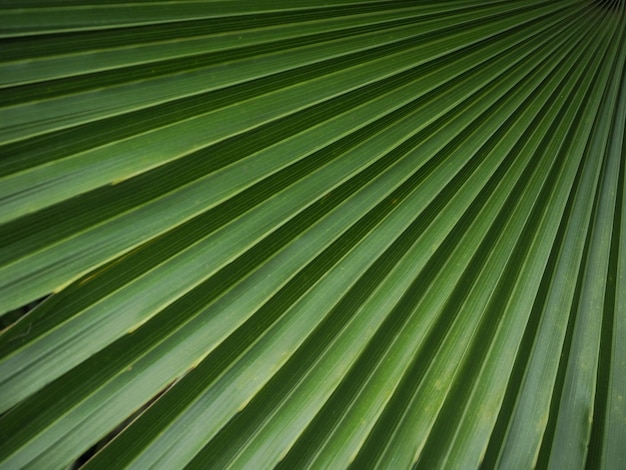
column 313, row 233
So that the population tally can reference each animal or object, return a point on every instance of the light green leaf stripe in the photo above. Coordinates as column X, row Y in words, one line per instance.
column 312, row 234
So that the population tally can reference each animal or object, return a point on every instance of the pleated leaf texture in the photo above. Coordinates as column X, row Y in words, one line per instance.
column 312, row 234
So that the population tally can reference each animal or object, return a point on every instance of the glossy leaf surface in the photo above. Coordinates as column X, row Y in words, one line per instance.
column 312, row 234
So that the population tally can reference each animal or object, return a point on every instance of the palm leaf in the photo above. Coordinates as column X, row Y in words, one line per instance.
column 312, row 234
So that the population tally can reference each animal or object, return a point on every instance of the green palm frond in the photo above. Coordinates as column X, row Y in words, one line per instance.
column 313, row 233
